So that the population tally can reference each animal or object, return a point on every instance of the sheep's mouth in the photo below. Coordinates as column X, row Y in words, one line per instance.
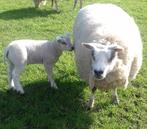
column 99, row 77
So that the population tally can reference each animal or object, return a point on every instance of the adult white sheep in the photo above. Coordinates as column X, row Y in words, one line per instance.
column 108, row 48
column 22, row 52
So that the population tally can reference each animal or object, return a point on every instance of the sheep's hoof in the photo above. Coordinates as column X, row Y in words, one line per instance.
column 89, row 104
column 115, row 100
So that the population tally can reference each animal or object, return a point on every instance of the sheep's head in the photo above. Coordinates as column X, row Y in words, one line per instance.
column 104, row 58
column 65, row 42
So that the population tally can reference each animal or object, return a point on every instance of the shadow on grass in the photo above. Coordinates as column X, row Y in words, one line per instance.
column 25, row 13
column 45, row 108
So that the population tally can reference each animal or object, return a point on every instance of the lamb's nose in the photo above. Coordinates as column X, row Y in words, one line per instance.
column 98, row 73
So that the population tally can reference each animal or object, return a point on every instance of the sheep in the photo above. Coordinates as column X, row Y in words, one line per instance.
column 19, row 53
column 108, row 48
column 38, row 3
column 75, row 3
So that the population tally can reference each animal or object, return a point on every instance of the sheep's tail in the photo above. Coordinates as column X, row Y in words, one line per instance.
column 6, row 53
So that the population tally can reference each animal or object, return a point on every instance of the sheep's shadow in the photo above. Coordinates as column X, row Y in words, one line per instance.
column 26, row 13
column 46, row 108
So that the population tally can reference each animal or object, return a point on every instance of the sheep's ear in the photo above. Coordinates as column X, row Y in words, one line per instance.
column 117, row 48
column 88, row 45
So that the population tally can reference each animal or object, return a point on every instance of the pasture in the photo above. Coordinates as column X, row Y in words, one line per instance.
column 45, row 108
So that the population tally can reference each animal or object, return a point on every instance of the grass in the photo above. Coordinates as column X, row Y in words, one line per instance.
column 45, row 108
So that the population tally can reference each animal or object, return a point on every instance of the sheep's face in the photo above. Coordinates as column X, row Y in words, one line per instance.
column 104, row 58
column 65, row 42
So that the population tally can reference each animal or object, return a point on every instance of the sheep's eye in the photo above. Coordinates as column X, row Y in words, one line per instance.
column 93, row 56
column 113, row 53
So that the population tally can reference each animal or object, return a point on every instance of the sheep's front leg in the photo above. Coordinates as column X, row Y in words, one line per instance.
column 16, row 75
column 75, row 3
column 115, row 98
column 81, row 3
column 90, row 102
column 93, row 88
column 49, row 70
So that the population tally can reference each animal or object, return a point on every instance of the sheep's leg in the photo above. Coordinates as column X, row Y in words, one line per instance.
column 75, row 3
column 52, row 3
column 16, row 74
column 49, row 70
column 115, row 98
column 56, row 5
column 80, row 3
column 10, row 78
column 136, row 65
column 44, row 2
column 90, row 102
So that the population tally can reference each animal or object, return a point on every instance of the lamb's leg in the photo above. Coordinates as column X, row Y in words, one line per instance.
column 75, row 3
column 16, row 74
column 10, row 79
column 49, row 70
column 115, row 98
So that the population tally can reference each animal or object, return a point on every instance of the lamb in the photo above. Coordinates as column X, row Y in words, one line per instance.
column 75, row 3
column 108, row 48
column 38, row 3
column 19, row 53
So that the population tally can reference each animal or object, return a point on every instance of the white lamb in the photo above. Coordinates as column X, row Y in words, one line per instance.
column 108, row 48
column 22, row 52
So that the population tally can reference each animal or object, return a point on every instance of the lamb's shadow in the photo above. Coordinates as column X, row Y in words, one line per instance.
column 26, row 13
column 44, row 107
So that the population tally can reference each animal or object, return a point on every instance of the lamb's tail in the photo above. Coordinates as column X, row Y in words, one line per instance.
column 6, row 53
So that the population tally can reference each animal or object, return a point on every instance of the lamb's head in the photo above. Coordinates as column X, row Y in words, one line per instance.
column 65, row 42
column 104, row 58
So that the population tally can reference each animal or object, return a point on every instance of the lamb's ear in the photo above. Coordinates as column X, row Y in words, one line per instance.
column 88, row 45
column 59, row 39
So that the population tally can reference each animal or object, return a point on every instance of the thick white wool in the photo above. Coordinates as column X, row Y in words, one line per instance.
column 108, row 23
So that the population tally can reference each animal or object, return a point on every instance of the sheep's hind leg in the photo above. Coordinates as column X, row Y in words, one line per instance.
column 115, row 98
column 56, row 5
column 49, row 70
column 16, row 74
column 10, row 78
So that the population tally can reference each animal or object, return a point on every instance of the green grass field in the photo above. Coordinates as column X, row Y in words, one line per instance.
column 45, row 108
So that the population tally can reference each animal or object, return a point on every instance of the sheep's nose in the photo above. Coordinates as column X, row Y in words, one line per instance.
column 99, row 73
column 72, row 48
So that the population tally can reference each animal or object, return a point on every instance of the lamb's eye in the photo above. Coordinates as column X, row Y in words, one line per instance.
column 93, row 56
column 63, row 42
